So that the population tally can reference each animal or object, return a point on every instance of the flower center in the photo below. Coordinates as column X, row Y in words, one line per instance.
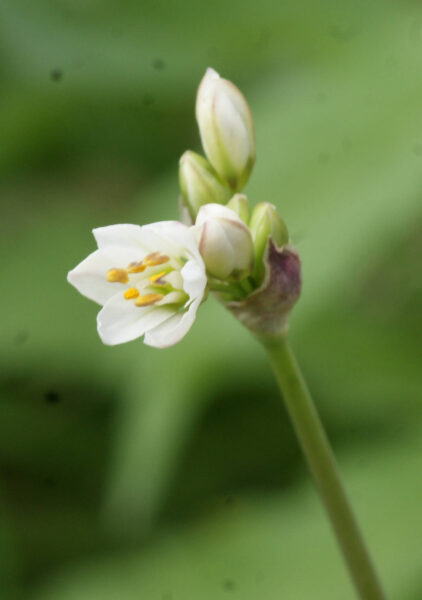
column 146, row 289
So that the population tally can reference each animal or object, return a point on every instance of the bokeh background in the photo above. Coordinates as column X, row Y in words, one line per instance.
column 132, row 473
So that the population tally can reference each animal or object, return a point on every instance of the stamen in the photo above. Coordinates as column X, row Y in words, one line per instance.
column 156, row 279
column 130, row 293
column 148, row 299
column 117, row 276
column 136, row 267
column 155, row 258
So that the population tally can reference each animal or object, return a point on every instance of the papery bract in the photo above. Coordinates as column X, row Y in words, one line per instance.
column 265, row 311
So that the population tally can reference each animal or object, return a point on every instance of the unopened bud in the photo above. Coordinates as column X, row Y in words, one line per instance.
column 226, row 128
column 265, row 225
column 199, row 183
column 225, row 242
column 239, row 203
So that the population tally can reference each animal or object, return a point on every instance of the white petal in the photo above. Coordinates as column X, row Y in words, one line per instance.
column 174, row 329
column 205, row 94
column 216, row 249
column 225, row 242
column 175, row 279
column 121, row 321
column 194, row 279
column 125, row 235
column 172, row 298
column 176, row 236
column 232, row 129
column 89, row 277
column 217, row 211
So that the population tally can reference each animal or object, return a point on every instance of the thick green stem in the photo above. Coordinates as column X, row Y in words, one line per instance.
column 322, row 464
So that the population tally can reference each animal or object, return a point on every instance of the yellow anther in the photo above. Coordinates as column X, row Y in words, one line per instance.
column 155, row 258
column 130, row 293
column 155, row 279
column 117, row 276
column 148, row 299
column 136, row 267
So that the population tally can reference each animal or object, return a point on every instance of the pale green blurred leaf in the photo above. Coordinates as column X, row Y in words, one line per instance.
column 272, row 547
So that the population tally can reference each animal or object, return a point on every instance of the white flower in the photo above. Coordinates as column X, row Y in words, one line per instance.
column 150, row 281
column 225, row 242
column 226, row 128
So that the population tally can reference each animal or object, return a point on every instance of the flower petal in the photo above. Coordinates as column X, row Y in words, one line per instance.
column 216, row 249
column 174, row 329
column 89, row 277
column 125, row 235
column 217, row 211
column 176, row 236
column 121, row 321
column 194, row 279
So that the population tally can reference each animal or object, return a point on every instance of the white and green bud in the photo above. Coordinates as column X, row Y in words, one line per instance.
column 199, row 183
column 225, row 242
column 239, row 203
column 266, row 224
column 226, row 128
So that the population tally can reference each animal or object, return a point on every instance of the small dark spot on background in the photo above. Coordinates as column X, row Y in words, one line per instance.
column 346, row 144
column 229, row 585
column 21, row 338
column 391, row 61
column 299, row 235
column 148, row 99
column 262, row 39
column 158, row 64
column 167, row 596
column 417, row 149
column 56, row 75
column 323, row 158
column 415, row 31
column 52, row 397
column 321, row 97
column 49, row 482
column 229, row 500
column 342, row 33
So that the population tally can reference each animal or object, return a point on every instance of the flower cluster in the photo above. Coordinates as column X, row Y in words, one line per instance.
column 151, row 280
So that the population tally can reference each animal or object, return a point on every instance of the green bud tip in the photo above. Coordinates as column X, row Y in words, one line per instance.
column 240, row 205
column 266, row 224
column 199, row 183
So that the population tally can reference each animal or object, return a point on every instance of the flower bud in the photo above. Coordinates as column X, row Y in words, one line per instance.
column 239, row 203
column 266, row 225
column 199, row 183
column 225, row 242
column 226, row 128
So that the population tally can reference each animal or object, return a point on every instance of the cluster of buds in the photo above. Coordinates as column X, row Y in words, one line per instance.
column 250, row 263
column 151, row 280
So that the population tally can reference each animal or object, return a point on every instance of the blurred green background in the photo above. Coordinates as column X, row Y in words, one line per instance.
column 129, row 472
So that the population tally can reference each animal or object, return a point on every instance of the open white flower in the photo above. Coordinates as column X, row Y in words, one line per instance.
column 150, row 281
